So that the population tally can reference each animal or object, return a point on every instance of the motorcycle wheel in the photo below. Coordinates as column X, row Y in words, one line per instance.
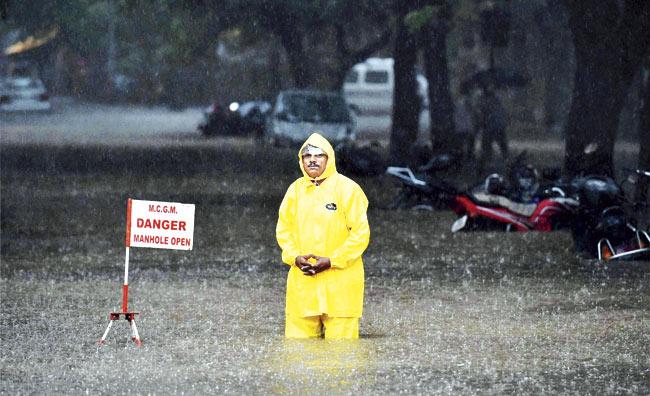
column 406, row 199
column 483, row 224
column 400, row 201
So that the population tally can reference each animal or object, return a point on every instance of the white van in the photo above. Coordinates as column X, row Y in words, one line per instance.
column 369, row 87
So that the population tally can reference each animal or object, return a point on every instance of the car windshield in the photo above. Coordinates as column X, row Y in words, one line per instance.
column 315, row 108
column 376, row 77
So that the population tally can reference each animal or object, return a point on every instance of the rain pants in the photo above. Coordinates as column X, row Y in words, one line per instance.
column 326, row 220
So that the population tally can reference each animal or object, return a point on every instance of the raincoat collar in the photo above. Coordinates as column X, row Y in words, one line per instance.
column 319, row 141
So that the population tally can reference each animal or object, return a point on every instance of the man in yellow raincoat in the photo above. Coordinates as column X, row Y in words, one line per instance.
column 323, row 230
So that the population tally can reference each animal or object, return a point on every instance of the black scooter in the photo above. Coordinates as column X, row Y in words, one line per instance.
column 606, row 225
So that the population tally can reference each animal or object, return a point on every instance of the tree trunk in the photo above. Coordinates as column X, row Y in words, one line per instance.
column 557, row 64
column 275, row 82
column 519, row 57
column 598, row 97
column 609, row 46
column 441, row 106
column 406, row 105
column 291, row 40
column 644, row 134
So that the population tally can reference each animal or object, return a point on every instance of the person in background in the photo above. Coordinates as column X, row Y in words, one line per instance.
column 493, row 122
column 463, row 121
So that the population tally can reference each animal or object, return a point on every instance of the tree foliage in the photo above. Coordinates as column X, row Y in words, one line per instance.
column 351, row 31
column 170, row 48
column 77, row 21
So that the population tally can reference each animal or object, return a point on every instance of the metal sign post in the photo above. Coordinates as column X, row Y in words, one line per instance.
column 128, row 316
column 151, row 224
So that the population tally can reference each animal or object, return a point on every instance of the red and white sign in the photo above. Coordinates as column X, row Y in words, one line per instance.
column 160, row 225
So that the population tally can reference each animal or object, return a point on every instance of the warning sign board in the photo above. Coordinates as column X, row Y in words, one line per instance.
column 160, row 225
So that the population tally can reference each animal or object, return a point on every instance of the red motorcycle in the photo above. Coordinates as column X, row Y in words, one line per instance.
column 491, row 205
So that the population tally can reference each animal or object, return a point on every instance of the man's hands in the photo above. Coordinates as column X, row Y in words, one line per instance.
column 322, row 263
column 307, row 268
column 303, row 263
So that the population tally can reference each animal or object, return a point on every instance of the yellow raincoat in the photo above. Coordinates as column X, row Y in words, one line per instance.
column 326, row 220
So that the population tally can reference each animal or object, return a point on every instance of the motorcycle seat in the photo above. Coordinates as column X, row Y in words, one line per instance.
column 520, row 208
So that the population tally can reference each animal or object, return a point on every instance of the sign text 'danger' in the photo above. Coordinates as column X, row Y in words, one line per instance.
column 161, row 225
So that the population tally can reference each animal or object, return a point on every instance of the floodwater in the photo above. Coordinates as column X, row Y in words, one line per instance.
column 467, row 313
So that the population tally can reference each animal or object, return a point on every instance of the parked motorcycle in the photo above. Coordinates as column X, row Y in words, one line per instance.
column 515, row 202
column 594, row 208
column 606, row 226
column 236, row 120
column 493, row 204
column 424, row 190
column 359, row 159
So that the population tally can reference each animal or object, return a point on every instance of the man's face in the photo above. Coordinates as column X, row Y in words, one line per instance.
column 314, row 164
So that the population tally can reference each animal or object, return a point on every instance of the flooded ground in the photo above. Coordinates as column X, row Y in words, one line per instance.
column 468, row 313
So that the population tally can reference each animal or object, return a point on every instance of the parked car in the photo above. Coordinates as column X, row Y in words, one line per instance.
column 238, row 119
column 298, row 113
column 369, row 86
column 23, row 94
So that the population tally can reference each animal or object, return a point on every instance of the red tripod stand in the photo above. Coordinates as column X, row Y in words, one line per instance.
column 128, row 316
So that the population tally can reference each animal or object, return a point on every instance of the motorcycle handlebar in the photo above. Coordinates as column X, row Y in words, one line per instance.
column 405, row 174
column 640, row 172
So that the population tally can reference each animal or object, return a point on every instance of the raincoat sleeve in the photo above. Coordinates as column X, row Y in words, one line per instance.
column 285, row 230
column 359, row 236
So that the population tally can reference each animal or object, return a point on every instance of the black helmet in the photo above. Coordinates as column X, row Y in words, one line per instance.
column 495, row 184
column 526, row 178
column 600, row 192
column 614, row 223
